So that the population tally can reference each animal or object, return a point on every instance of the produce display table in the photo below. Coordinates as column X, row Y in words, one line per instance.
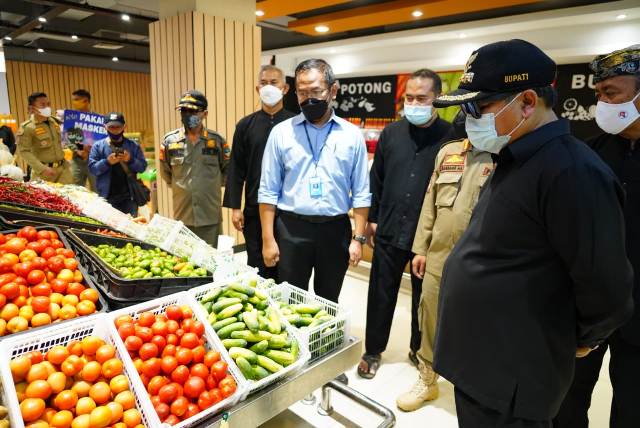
column 271, row 401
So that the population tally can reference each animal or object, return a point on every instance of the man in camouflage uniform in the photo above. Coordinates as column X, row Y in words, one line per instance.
column 39, row 143
column 193, row 161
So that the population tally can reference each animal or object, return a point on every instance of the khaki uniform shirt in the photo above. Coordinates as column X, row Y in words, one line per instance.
column 195, row 174
column 39, row 143
column 459, row 174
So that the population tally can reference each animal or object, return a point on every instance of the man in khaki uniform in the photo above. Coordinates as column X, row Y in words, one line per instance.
column 39, row 142
column 459, row 174
column 193, row 161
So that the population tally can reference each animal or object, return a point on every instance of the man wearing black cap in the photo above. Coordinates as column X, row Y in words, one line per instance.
column 540, row 276
column 617, row 81
column 193, row 160
column 111, row 160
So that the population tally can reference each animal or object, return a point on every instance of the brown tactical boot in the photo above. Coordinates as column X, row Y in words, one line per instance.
column 425, row 389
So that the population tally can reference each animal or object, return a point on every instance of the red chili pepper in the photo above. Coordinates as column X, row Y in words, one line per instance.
column 25, row 194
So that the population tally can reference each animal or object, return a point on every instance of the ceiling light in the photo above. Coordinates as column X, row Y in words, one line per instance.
column 42, row 19
column 621, row 16
column 74, row 37
column 416, row 13
column 7, row 38
column 125, row 17
column 40, row 50
column 259, row 12
column 115, row 59
column 321, row 29
column 462, row 36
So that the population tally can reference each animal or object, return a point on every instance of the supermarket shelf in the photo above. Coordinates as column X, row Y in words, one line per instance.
column 266, row 404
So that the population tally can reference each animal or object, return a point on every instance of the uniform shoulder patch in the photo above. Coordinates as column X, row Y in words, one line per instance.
column 173, row 136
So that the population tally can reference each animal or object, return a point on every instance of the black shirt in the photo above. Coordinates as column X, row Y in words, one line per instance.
column 616, row 152
column 249, row 141
column 541, row 270
column 119, row 187
column 402, row 166
column 9, row 140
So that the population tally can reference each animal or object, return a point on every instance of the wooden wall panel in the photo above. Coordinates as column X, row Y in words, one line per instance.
column 110, row 90
column 217, row 56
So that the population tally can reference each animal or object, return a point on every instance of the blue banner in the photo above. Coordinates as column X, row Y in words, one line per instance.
column 80, row 128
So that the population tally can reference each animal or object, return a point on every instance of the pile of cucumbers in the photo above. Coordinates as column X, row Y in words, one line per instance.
column 250, row 329
column 305, row 316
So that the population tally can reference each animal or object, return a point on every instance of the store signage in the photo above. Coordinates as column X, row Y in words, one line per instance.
column 366, row 97
column 576, row 99
column 80, row 128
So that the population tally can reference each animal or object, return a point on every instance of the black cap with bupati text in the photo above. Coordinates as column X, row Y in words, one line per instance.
column 500, row 68
column 193, row 100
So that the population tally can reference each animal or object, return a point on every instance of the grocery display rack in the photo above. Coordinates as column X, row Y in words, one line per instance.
column 109, row 281
column 24, row 215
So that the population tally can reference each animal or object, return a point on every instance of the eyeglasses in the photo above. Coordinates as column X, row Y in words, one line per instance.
column 315, row 93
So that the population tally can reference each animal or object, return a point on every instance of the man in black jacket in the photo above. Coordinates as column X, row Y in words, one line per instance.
column 541, row 274
column 403, row 163
column 617, row 79
column 249, row 142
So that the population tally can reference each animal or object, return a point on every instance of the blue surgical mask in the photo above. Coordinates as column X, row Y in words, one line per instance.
column 482, row 132
column 418, row 115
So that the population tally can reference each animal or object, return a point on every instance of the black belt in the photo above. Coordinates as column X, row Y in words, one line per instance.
column 55, row 164
column 313, row 218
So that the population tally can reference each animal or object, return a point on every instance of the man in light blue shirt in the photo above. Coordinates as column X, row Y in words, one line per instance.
column 314, row 170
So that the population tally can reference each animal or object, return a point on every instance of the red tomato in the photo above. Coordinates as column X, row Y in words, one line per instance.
column 36, row 246
column 179, row 406
column 180, row 374
column 187, row 324
column 169, row 364
column 198, row 354
column 39, row 263
column 23, row 269
column 192, row 410
column 163, row 410
column 211, row 382
column 151, row 367
column 172, row 326
column 56, row 264
column 144, row 333
column 187, row 312
column 43, row 234
column 184, row 355
column 75, row 288
column 172, row 420
column 168, row 393
column 132, row 343
column 20, row 281
column 200, row 370
column 6, row 265
column 197, row 328
column 40, row 304
column 219, row 370
column 146, row 319
column 3, row 239
column 194, row 386
column 15, row 245
column 41, row 290
column 227, row 386
column 159, row 341
column 205, row 401
column 67, row 253
column 59, row 286
column 179, row 333
column 48, row 252
column 10, row 290
column 148, row 350
column 189, row 340
column 24, row 290
column 156, row 383
column 211, row 357
column 216, row 395
column 169, row 350
column 52, row 234
column 160, row 328
column 28, row 232
column 3, row 300
column 35, row 277
column 6, row 278
column 174, row 313
column 56, row 243
column 172, row 339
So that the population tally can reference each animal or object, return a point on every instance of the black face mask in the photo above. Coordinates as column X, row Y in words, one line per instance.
column 115, row 137
column 191, row 121
column 314, row 108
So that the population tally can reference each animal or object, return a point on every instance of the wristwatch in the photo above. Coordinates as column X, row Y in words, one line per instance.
column 360, row 238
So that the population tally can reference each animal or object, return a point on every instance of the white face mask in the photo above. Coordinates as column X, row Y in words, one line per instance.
column 270, row 95
column 615, row 118
column 482, row 132
column 46, row 112
column 418, row 115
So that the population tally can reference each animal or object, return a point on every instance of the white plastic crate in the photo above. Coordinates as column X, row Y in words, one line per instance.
column 43, row 340
column 198, row 293
column 162, row 231
column 321, row 339
column 159, row 306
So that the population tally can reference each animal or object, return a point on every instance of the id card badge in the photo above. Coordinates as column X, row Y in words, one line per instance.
column 315, row 187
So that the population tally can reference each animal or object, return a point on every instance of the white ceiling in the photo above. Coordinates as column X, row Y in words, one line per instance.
column 567, row 35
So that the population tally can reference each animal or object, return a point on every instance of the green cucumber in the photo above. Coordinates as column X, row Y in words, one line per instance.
column 321, row 314
column 286, row 311
column 307, row 308
column 262, row 322
column 212, row 295
column 230, row 311
column 234, row 294
column 250, row 336
column 251, row 320
column 260, row 294
column 254, row 300
column 262, row 305
column 295, row 349
column 304, row 322
column 280, row 357
column 245, row 367
column 269, row 364
column 230, row 343
column 259, row 372
column 277, row 342
column 225, row 322
column 236, row 352
column 244, row 289
column 274, row 326
column 293, row 318
column 223, row 303
column 207, row 306
column 248, row 307
column 212, row 318
column 260, row 347
column 320, row 321
column 224, row 332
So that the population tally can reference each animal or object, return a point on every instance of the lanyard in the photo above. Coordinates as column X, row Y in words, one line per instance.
column 316, row 159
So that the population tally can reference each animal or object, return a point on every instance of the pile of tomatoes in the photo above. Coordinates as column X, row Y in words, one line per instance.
column 180, row 375
column 80, row 385
column 39, row 281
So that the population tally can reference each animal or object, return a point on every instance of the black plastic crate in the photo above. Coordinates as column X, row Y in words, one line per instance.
column 109, row 280
column 39, row 217
column 101, row 304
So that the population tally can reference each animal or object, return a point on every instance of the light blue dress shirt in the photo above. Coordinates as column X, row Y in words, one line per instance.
column 288, row 167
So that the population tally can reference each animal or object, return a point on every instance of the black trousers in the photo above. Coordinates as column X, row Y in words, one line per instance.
column 253, row 238
column 472, row 414
column 321, row 247
column 384, row 283
column 624, row 371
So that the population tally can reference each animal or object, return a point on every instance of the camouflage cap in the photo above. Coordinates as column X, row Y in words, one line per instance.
column 623, row 62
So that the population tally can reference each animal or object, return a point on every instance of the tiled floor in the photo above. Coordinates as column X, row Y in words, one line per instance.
column 395, row 376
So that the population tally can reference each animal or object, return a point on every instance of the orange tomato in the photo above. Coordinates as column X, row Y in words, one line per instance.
column 61, row 419
column 112, row 368
column 184, row 355
column 90, row 345
column 100, row 392
column 67, row 312
column 82, row 421
column 35, row 357
column 66, row 400
column 31, row 409
column 105, row 352
column 57, row 354
column 118, row 384
column 86, row 307
column 57, row 381
column 17, row 324
column 75, row 348
column 123, row 319
column 38, row 389
column 20, row 389
column 131, row 418
column 91, row 371
column 9, row 311
column 75, row 288
column 66, row 275
column 40, row 304
column 90, row 294
column 85, row 405
column 37, row 372
column 116, row 412
column 71, row 264
column 77, row 277
column 72, row 365
column 20, row 366
column 81, row 388
column 39, row 320
column 125, row 399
